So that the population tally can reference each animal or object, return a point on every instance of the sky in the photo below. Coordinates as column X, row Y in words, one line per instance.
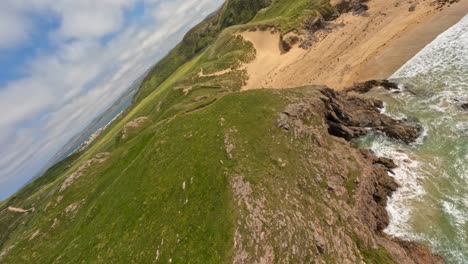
column 63, row 62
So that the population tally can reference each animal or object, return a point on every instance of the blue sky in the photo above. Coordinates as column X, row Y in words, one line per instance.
column 62, row 62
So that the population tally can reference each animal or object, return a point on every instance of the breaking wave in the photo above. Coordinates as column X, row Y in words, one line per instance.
column 432, row 204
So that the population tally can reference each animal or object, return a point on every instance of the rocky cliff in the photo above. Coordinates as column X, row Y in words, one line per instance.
column 332, row 209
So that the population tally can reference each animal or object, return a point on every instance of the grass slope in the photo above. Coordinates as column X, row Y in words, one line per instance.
column 135, row 204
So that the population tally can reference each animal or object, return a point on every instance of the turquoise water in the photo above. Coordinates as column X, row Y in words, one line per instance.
column 432, row 204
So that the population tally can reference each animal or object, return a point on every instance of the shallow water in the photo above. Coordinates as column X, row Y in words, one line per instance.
column 432, row 204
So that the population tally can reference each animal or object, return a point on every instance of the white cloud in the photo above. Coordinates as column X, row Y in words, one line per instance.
column 66, row 89
column 14, row 28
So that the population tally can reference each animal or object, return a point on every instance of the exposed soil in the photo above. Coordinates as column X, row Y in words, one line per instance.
column 20, row 210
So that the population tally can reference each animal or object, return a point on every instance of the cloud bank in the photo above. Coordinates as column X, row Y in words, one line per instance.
column 65, row 62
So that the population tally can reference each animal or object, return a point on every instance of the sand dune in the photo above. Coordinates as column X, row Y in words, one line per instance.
column 370, row 46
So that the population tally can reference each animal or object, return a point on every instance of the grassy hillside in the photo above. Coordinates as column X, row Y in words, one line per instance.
column 165, row 193
column 287, row 16
column 233, row 12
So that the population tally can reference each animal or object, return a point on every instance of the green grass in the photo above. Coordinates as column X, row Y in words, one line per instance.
column 372, row 256
column 32, row 194
column 134, row 201
column 290, row 15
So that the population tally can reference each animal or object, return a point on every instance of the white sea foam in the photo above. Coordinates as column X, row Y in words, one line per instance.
column 439, row 77
column 407, row 176
column 456, row 212
column 450, row 45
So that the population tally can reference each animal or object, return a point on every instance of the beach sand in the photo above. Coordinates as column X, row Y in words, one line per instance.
column 358, row 48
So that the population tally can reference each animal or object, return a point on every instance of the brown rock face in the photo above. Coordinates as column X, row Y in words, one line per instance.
column 350, row 117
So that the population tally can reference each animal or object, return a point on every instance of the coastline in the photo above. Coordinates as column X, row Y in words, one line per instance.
column 385, row 38
column 396, row 53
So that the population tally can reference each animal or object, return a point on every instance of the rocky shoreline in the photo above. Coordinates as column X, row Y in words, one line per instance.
column 349, row 116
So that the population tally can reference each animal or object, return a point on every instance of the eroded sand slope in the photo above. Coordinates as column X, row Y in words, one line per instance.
column 353, row 48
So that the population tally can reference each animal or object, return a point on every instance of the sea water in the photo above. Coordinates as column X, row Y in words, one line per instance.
column 431, row 207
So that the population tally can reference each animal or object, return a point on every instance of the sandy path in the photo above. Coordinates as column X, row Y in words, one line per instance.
column 201, row 74
column 359, row 48
column 19, row 210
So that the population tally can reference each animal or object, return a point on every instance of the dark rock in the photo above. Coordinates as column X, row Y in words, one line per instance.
column 405, row 133
column 349, row 117
column 464, row 106
column 387, row 163
column 339, row 130
column 357, row 7
column 442, row 3
column 288, row 41
column 412, row 8
column 313, row 23
column 366, row 87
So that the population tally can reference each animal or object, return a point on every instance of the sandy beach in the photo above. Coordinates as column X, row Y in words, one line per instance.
column 384, row 38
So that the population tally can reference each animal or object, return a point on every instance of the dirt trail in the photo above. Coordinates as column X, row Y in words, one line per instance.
column 20, row 210
column 360, row 47
column 201, row 74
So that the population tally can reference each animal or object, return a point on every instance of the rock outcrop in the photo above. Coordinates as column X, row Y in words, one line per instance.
column 350, row 116
column 133, row 127
column 366, row 87
column 354, row 6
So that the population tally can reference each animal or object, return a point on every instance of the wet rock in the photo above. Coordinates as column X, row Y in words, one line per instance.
column 387, row 163
column 405, row 133
column 350, row 117
column 366, row 87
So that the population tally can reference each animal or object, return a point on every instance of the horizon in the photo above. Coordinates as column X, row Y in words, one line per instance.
column 64, row 64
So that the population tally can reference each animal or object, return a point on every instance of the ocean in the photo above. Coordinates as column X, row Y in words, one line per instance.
column 431, row 207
